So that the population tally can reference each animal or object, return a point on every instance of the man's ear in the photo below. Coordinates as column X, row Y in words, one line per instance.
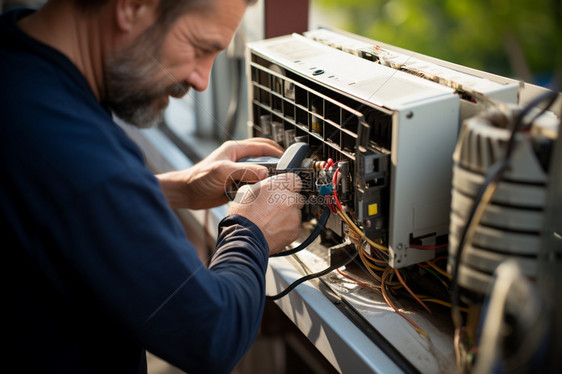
column 135, row 15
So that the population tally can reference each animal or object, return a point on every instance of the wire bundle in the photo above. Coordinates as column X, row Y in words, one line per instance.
column 377, row 266
column 386, row 279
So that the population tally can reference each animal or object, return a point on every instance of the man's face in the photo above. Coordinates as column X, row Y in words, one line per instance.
column 141, row 77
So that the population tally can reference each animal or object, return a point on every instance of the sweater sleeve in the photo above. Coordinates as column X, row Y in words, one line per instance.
column 230, row 310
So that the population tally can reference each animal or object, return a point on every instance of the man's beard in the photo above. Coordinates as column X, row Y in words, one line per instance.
column 131, row 91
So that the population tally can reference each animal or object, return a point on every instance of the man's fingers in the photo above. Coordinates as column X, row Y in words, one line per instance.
column 247, row 194
column 300, row 200
column 286, row 181
column 256, row 147
column 239, row 172
column 247, row 173
column 281, row 188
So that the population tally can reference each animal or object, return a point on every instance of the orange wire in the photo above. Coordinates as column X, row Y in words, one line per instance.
column 359, row 282
column 374, row 259
column 397, row 272
column 389, row 302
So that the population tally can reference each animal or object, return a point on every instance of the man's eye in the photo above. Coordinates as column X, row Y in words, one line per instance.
column 204, row 52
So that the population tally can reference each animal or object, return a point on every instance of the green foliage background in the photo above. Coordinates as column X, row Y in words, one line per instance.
column 515, row 38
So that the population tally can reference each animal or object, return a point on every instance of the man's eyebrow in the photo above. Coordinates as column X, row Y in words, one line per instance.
column 211, row 45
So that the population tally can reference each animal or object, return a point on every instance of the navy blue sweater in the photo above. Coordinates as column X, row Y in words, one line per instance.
column 100, row 268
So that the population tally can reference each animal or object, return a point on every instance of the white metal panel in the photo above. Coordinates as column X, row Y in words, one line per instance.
column 377, row 84
column 424, row 138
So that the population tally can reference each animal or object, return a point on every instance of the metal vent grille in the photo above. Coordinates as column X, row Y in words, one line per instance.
column 289, row 109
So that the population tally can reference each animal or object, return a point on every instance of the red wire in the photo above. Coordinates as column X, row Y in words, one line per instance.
column 335, row 181
column 429, row 247
column 433, row 261
column 329, row 203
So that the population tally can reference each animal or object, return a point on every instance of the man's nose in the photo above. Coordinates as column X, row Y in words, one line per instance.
column 199, row 78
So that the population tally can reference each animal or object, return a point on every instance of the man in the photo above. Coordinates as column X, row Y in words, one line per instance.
column 102, row 270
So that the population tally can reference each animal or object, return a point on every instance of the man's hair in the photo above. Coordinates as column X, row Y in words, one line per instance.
column 168, row 10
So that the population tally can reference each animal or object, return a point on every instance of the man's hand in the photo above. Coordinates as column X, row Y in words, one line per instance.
column 203, row 185
column 274, row 205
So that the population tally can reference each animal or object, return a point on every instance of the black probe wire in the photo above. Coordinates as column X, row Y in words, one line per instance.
column 313, row 235
column 312, row 276
column 486, row 192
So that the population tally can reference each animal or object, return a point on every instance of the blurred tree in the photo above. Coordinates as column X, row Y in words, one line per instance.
column 516, row 38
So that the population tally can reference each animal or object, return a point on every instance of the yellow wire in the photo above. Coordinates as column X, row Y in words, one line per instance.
column 441, row 302
column 343, row 215
column 370, row 266
column 364, row 260
column 442, row 281
column 375, row 260
column 375, row 267
column 438, row 269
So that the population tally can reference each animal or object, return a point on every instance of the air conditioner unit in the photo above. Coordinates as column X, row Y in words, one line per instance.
column 391, row 118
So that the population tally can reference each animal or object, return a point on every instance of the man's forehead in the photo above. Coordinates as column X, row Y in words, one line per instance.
column 216, row 22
